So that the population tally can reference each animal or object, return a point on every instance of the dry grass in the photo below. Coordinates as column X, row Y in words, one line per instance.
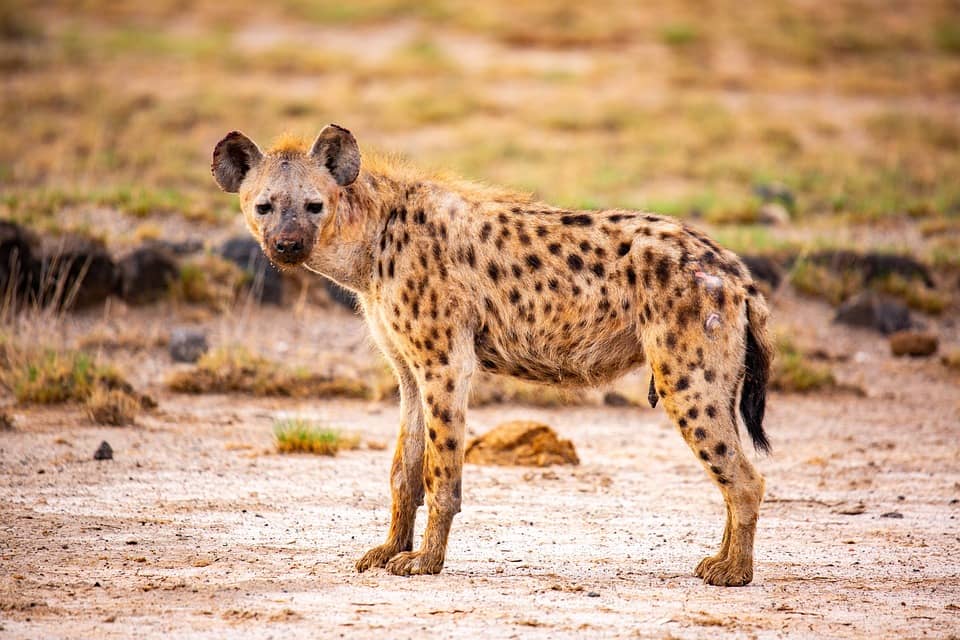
column 49, row 376
column 236, row 370
column 115, row 407
column 297, row 435
column 835, row 286
column 209, row 280
column 794, row 372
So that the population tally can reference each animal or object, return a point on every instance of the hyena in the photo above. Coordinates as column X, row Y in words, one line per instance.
column 452, row 276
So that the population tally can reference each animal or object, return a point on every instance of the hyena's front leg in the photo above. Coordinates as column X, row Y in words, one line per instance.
column 444, row 390
column 406, row 474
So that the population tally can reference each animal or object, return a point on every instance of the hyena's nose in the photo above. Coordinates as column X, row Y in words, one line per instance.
column 286, row 246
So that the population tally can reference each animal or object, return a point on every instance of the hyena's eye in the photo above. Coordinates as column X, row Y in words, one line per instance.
column 314, row 207
column 264, row 208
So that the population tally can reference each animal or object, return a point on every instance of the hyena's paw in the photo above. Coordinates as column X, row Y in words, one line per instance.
column 377, row 557
column 707, row 564
column 725, row 572
column 414, row 563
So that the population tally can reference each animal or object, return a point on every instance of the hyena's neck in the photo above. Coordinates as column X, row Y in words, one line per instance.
column 347, row 249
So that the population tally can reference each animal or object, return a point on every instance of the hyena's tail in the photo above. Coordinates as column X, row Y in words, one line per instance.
column 757, row 362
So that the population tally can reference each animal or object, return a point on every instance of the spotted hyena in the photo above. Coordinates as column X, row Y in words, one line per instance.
column 453, row 277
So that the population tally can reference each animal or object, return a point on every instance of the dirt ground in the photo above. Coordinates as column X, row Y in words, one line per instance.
column 197, row 529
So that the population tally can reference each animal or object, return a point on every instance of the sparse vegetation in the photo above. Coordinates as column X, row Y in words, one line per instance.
column 794, row 372
column 296, row 435
column 115, row 407
column 209, row 280
column 237, row 370
column 48, row 376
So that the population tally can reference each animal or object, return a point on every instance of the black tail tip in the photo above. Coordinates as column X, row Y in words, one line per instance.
column 753, row 396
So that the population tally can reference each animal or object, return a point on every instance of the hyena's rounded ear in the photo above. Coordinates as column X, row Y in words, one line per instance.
column 233, row 157
column 336, row 149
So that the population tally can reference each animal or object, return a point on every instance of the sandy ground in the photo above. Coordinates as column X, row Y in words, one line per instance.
column 196, row 529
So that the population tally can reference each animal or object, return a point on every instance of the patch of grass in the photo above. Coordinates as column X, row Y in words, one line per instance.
column 237, row 370
column 946, row 35
column 114, row 407
column 793, row 372
column 914, row 293
column 52, row 377
column 821, row 282
column 296, row 435
column 209, row 280
column 679, row 34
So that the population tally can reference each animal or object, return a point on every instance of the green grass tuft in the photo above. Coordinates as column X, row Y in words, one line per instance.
column 297, row 435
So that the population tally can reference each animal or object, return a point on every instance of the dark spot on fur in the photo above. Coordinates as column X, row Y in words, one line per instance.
column 533, row 261
column 493, row 271
column 704, row 455
column 720, row 449
column 663, row 270
column 682, row 384
column 711, row 411
column 554, row 248
column 709, row 375
column 574, row 261
column 699, row 434
column 631, row 275
column 452, row 444
column 433, row 434
column 581, row 220
column 692, row 413
column 623, row 249
column 598, row 269
column 485, row 231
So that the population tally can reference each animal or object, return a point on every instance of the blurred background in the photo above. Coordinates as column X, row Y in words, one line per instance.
column 818, row 139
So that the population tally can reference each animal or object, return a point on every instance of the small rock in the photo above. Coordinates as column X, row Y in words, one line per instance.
column 103, row 452
column 773, row 213
column 913, row 343
column 187, row 345
column 145, row 275
column 593, row 594
column 891, row 514
column 616, row 399
column 523, row 443
column 871, row 310
column 17, row 264
column 77, row 272
column 266, row 281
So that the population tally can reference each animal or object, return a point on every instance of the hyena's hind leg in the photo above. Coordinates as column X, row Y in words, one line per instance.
column 699, row 391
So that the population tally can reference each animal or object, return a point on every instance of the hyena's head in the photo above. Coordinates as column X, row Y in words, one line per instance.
column 289, row 193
